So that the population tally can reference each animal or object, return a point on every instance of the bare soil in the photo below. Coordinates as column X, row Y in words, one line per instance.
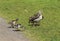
column 7, row 34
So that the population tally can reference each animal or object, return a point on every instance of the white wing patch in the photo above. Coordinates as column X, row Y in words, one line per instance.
column 40, row 17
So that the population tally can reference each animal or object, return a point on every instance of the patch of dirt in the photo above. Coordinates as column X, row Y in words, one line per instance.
column 7, row 34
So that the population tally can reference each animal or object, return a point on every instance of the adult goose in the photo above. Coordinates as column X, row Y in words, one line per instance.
column 36, row 18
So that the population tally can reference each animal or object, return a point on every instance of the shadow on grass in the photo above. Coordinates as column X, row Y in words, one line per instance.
column 34, row 25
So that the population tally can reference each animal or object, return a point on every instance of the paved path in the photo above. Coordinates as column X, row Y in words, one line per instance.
column 7, row 34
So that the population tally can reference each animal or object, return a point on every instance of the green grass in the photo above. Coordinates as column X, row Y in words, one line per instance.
column 49, row 29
